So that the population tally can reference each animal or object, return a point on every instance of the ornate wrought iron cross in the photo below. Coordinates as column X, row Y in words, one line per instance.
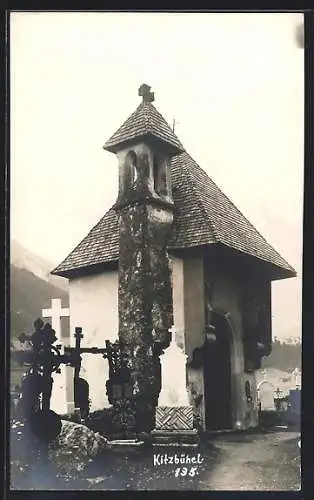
column 118, row 386
column 44, row 358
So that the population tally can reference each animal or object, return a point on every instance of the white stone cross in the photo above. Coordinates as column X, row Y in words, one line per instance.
column 56, row 313
column 173, row 331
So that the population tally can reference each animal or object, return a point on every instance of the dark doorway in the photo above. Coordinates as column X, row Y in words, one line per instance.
column 217, row 377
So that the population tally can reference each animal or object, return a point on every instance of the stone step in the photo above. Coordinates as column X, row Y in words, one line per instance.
column 126, row 442
column 175, row 445
column 123, row 444
column 175, row 437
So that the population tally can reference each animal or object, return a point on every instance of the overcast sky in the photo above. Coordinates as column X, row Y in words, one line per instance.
column 233, row 82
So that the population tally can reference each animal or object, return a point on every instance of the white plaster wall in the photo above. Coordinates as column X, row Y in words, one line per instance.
column 59, row 397
column 177, row 276
column 194, row 329
column 194, row 306
column 94, row 307
column 58, row 401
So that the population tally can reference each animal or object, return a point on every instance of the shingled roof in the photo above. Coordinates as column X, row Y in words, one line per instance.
column 203, row 216
column 145, row 121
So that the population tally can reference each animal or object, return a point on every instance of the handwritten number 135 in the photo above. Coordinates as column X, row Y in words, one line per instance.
column 184, row 471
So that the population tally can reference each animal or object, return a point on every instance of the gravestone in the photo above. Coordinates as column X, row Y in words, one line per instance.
column 174, row 414
column 173, row 377
column 297, row 378
column 266, row 395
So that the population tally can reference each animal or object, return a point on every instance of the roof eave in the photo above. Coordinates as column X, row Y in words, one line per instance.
column 245, row 261
column 148, row 137
column 86, row 270
column 274, row 272
column 61, row 273
column 282, row 274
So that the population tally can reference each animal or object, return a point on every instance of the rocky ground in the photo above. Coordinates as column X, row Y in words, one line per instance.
column 81, row 459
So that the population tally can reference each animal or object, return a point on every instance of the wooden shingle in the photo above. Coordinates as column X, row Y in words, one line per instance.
column 144, row 121
column 203, row 215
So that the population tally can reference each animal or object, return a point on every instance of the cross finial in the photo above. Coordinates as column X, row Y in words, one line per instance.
column 145, row 93
column 174, row 123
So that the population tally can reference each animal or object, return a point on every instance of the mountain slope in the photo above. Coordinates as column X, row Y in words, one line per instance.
column 24, row 259
column 29, row 294
column 284, row 357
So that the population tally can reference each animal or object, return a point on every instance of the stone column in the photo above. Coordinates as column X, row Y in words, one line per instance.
column 145, row 300
column 144, row 145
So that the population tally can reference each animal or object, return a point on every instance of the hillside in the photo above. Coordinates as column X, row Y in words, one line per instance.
column 284, row 357
column 29, row 294
column 22, row 258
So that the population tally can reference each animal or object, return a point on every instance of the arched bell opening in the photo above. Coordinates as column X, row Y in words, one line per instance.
column 130, row 170
column 160, row 175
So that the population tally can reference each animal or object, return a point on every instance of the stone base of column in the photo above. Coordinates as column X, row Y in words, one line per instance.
column 174, row 426
column 175, row 438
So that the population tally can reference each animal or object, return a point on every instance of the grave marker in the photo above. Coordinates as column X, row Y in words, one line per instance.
column 297, row 377
column 266, row 393
column 59, row 398
column 174, row 414
column 55, row 314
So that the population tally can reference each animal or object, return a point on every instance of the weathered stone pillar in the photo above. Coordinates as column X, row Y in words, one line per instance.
column 145, row 300
column 144, row 144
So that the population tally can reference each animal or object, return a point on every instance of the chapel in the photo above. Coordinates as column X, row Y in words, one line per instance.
column 174, row 250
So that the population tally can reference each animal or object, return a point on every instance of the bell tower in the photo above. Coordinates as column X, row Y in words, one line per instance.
column 144, row 145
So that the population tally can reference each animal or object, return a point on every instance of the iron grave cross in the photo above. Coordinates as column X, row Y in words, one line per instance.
column 145, row 93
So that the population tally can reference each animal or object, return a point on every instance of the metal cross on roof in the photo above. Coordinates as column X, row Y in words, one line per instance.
column 145, row 93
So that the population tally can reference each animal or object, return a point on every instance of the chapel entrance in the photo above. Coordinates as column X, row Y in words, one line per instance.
column 217, row 376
